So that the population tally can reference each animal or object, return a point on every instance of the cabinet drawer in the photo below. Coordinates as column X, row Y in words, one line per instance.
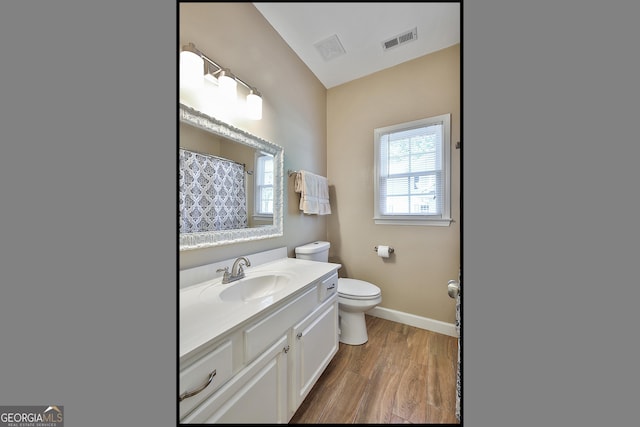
column 216, row 365
column 262, row 334
column 328, row 287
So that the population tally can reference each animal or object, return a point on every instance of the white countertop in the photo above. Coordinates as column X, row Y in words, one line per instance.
column 205, row 319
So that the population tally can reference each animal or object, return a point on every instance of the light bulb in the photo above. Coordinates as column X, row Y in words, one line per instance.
column 228, row 86
column 191, row 70
column 254, row 105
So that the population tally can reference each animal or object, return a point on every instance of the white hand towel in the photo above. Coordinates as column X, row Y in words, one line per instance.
column 314, row 193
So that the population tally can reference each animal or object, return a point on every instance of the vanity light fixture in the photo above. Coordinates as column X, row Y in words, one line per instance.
column 195, row 66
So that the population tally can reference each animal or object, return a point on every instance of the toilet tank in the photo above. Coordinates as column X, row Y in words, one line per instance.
column 315, row 251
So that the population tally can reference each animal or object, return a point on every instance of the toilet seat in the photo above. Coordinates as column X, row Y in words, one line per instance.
column 357, row 289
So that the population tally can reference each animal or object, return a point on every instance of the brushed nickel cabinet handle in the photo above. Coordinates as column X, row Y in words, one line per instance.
column 331, row 287
column 194, row 392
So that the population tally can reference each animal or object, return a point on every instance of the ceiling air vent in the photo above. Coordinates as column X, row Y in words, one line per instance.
column 403, row 38
column 330, row 48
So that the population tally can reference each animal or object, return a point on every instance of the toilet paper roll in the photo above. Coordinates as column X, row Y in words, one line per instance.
column 383, row 251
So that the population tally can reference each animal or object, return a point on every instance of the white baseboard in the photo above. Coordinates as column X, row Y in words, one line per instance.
column 413, row 320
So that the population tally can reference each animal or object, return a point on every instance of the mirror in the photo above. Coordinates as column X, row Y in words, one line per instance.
column 210, row 139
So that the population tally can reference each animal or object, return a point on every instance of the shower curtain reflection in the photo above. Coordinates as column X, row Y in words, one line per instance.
column 212, row 193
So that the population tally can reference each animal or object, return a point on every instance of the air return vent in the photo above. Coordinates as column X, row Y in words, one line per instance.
column 403, row 38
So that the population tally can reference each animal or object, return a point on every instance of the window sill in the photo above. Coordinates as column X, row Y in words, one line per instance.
column 440, row 222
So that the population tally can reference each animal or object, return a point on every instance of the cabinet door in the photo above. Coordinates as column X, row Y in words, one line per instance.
column 315, row 341
column 258, row 394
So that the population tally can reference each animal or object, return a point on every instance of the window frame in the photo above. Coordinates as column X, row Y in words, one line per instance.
column 443, row 219
column 258, row 180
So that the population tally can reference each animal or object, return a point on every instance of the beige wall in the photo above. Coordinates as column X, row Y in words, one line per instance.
column 331, row 133
column 414, row 280
column 238, row 37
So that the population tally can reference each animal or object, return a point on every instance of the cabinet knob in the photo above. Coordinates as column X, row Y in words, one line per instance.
column 198, row 390
column 299, row 335
column 286, row 349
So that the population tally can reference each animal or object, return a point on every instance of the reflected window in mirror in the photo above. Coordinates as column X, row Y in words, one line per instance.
column 264, row 186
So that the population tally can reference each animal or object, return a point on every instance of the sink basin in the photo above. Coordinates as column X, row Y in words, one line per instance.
column 255, row 287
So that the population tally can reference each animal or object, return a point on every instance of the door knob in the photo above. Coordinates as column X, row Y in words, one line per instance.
column 453, row 288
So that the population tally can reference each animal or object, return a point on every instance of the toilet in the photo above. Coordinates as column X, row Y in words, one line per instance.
column 354, row 296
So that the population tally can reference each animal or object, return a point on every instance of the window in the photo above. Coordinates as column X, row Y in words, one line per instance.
column 264, row 185
column 412, row 182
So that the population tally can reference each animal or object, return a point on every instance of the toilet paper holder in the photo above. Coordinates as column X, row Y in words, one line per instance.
column 391, row 250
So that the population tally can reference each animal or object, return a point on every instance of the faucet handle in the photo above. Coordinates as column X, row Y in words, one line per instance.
column 225, row 277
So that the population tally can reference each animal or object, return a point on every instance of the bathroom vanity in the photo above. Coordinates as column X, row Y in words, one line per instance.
column 251, row 350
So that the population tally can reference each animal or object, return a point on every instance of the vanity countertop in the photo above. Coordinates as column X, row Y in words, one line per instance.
column 203, row 319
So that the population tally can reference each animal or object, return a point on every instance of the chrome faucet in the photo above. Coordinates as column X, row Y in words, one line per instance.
column 237, row 272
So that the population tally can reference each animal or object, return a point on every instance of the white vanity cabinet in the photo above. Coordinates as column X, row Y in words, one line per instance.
column 268, row 363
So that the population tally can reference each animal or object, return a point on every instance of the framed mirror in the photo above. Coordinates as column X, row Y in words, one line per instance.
column 230, row 183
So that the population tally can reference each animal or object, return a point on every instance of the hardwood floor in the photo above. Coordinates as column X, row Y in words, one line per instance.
column 402, row 375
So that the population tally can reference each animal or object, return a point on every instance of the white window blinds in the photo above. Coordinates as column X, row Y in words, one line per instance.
column 412, row 176
column 264, row 184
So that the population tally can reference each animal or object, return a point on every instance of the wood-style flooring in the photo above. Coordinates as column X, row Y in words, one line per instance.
column 402, row 375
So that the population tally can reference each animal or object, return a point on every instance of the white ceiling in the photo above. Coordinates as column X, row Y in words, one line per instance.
column 361, row 29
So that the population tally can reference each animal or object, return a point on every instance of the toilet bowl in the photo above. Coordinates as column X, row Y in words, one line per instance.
column 355, row 297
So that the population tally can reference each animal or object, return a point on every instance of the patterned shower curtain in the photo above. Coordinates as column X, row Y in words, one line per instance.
column 212, row 193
